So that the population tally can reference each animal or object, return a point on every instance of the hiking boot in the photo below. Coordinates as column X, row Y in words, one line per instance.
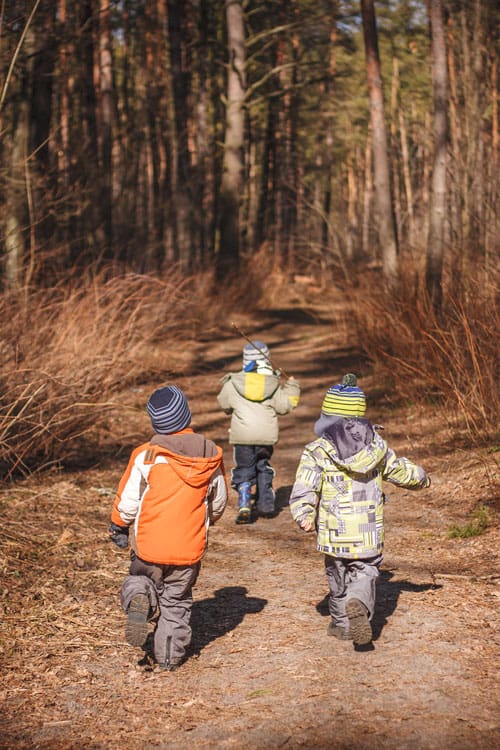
column 136, row 629
column 266, row 512
column 359, row 624
column 338, row 632
column 244, row 516
column 169, row 666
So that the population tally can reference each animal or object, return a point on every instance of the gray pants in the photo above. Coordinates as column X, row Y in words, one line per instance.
column 351, row 579
column 168, row 588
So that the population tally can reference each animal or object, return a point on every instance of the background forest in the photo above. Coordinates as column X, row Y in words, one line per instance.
column 163, row 163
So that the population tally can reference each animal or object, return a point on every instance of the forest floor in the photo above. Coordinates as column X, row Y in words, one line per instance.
column 262, row 671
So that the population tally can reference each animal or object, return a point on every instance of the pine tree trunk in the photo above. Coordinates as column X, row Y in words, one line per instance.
column 232, row 176
column 106, row 123
column 367, row 197
column 327, row 144
column 181, row 173
column 407, row 177
column 394, row 151
column 434, row 268
column 383, row 197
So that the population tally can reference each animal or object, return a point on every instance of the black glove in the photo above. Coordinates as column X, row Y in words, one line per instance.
column 118, row 535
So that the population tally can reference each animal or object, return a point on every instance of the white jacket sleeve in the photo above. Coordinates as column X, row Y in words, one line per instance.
column 216, row 496
column 131, row 494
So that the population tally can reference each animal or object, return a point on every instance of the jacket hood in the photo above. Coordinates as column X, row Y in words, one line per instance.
column 354, row 445
column 254, row 386
column 193, row 458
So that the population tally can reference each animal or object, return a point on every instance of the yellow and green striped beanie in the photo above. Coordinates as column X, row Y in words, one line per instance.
column 344, row 399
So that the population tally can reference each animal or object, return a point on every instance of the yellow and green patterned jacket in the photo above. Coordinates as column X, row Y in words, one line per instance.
column 338, row 486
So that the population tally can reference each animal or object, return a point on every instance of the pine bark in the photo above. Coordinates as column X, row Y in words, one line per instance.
column 435, row 244
column 232, row 176
column 106, row 124
column 383, row 194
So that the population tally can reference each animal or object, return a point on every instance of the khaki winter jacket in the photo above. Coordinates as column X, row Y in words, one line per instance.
column 338, row 487
column 173, row 488
column 254, row 401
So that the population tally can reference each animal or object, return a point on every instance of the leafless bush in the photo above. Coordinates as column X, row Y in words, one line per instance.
column 451, row 358
column 67, row 351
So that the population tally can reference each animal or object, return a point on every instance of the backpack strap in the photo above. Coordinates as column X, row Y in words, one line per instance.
column 149, row 457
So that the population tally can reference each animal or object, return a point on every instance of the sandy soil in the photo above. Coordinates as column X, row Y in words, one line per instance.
column 262, row 671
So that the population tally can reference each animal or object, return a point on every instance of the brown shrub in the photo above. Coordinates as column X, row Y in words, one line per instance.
column 67, row 351
column 451, row 358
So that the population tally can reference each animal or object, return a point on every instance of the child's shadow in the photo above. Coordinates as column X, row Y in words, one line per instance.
column 387, row 599
column 213, row 618
column 282, row 498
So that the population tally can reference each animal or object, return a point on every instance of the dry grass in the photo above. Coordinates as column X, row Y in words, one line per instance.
column 67, row 351
column 450, row 359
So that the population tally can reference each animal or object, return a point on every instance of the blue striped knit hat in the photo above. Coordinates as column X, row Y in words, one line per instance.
column 168, row 409
column 256, row 352
column 345, row 399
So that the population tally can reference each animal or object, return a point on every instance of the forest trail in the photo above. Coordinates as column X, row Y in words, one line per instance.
column 262, row 673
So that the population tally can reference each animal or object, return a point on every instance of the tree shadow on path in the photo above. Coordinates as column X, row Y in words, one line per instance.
column 214, row 617
column 388, row 593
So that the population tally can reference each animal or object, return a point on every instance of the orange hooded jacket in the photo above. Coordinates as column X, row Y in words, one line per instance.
column 166, row 494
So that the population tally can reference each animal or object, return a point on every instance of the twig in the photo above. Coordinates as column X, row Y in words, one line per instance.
column 16, row 53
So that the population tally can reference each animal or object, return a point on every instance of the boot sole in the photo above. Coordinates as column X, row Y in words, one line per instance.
column 359, row 624
column 244, row 516
column 136, row 629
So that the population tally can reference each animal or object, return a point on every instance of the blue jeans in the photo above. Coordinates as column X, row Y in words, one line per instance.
column 252, row 465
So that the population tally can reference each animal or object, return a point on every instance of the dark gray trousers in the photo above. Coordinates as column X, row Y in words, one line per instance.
column 169, row 589
column 351, row 579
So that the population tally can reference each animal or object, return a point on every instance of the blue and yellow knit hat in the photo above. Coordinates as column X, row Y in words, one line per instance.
column 168, row 410
column 344, row 399
column 255, row 354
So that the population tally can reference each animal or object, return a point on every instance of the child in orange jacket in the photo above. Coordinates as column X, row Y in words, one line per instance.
column 174, row 487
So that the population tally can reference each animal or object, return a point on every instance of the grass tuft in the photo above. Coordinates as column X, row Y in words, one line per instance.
column 475, row 527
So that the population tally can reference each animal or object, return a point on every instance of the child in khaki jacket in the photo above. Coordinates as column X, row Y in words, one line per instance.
column 254, row 397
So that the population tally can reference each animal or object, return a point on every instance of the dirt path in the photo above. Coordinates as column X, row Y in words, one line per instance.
column 263, row 673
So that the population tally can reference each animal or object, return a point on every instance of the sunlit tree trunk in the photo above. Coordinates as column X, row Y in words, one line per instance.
column 16, row 137
column 232, row 177
column 394, row 151
column 367, row 196
column 383, row 197
column 289, row 177
column 15, row 207
column 407, row 176
column 326, row 142
column 435, row 244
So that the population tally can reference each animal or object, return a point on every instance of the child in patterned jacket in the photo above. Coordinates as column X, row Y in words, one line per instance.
column 338, row 493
